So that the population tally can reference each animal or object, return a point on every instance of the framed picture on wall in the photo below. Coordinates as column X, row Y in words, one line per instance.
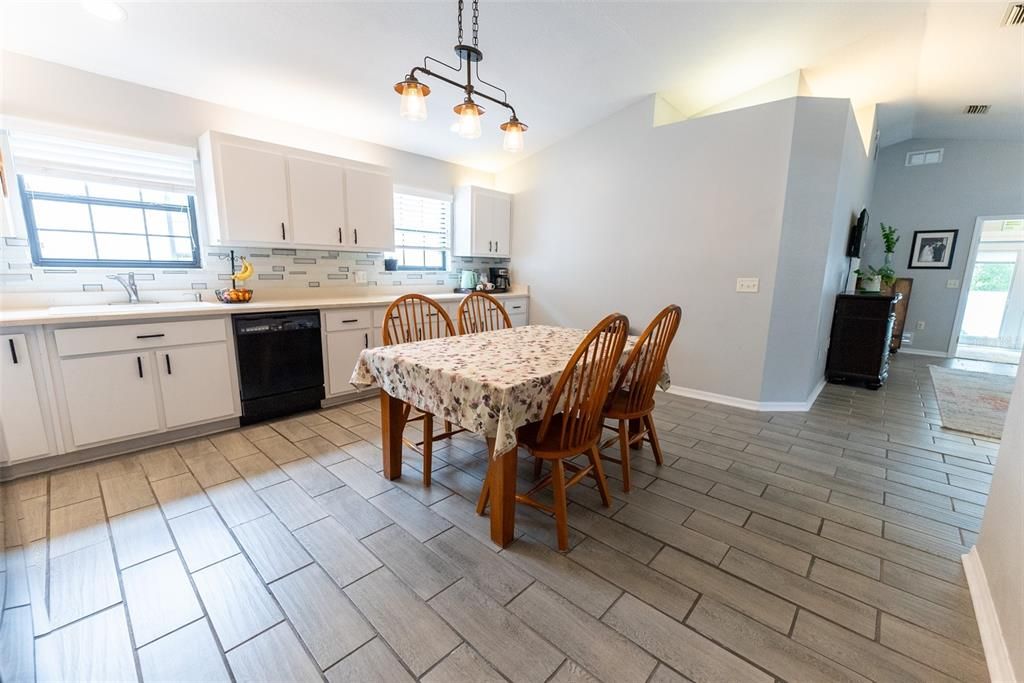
column 932, row 249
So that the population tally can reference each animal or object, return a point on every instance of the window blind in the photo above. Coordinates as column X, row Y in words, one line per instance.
column 40, row 154
column 422, row 222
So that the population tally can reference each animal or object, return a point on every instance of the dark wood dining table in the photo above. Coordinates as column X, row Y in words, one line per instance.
column 489, row 383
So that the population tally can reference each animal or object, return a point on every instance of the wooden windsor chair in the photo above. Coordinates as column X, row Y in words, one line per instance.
column 481, row 312
column 571, row 424
column 411, row 318
column 631, row 401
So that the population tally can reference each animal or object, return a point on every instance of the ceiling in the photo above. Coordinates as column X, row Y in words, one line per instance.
column 565, row 65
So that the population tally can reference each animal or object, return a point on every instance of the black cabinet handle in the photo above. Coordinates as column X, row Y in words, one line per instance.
column 489, row 245
column 366, row 340
column 341, row 240
column 14, row 351
column 167, row 357
column 282, row 230
column 138, row 360
column 149, row 336
column 495, row 246
column 353, row 320
column 516, row 308
column 355, row 233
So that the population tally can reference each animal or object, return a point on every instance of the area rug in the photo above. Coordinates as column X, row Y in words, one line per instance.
column 974, row 402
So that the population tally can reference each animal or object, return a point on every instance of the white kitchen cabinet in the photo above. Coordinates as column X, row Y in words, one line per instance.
column 22, row 417
column 195, row 383
column 257, row 193
column 518, row 311
column 370, row 206
column 483, row 222
column 110, row 396
column 343, row 348
column 253, row 196
column 317, row 194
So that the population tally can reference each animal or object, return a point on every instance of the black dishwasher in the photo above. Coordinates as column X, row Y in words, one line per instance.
column 280, row 363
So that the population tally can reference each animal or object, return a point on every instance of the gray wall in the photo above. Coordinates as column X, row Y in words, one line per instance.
column 627, row 217
column 1001, row 543
column 829, row 179
column 975, row 178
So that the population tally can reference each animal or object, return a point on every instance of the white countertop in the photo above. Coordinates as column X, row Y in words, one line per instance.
column 55, row 315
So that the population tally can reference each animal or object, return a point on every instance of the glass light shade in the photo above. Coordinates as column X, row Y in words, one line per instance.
column 414, row 104
column 469, row 119
column 513, row 141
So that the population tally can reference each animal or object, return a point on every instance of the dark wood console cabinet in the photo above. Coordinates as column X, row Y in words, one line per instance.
column 861, row 336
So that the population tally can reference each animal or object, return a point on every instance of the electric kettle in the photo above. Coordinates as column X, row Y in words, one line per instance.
column 469, row 279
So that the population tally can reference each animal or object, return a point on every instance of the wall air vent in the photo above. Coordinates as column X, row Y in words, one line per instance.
column 926, row 156
column 975, row 109
column 1014, row 14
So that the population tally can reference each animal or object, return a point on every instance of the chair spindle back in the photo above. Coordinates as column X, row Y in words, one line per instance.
column 414, row 317
column 642, row 370
column 481, row 312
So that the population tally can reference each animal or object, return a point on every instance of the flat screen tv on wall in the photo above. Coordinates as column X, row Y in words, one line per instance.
column 857, row 235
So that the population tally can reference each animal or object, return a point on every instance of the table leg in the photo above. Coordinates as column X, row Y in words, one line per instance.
column 392, row 424
column 634, row 428
column 503, row 494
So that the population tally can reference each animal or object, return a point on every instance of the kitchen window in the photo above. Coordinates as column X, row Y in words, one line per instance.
column 423, row 224
column 87, row 204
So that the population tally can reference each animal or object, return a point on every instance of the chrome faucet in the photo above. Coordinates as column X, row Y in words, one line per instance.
column 129, row 286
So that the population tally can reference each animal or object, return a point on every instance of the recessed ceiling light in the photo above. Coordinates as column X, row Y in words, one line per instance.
column 105, row 9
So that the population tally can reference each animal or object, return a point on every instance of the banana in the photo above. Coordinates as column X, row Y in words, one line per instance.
column 245, row 273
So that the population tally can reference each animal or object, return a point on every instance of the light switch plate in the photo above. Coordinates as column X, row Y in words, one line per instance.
column 952, row 284
column 747, row 285
column 360, row 277
column 920, row 324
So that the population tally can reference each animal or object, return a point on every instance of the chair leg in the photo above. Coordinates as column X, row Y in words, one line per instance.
column 624, row 452
column 561, row 512
column 428, row 447
column 485, row 494
column 538, row 467
column 602, row 483
column 652, row 436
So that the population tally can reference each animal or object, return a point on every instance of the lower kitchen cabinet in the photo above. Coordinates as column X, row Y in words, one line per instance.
column 343, row 349
column 195, row 383
column 25, row 429
column 112, row 396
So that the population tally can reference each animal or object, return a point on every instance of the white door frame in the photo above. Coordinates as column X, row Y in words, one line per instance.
column 965, row 281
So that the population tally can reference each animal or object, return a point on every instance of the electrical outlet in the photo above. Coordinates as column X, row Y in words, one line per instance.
column 908, row 338
column 360, row 277
column 747, row 285
column 952, row 284
column 920, row 324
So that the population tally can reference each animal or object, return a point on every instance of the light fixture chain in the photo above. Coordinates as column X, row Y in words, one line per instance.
column 460, row 23
column 476, row 22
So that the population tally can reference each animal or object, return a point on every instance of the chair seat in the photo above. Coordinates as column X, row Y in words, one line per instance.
column 617, row 407
column 549, row 447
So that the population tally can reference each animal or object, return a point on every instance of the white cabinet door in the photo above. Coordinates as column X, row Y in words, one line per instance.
column 195, row 383
column 501, row 225
column 481, row 218
column 490, row 220
column 110, row 396
column 342, row 354
column 317, row 197
column 21, row 415
column 370, row 206
column 254, row 195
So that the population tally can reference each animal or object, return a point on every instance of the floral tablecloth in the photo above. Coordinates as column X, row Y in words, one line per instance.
column 490, row 383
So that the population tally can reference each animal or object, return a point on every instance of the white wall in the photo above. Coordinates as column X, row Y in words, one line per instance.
column 975, row 178
column 627, row 217
column 1000, row 545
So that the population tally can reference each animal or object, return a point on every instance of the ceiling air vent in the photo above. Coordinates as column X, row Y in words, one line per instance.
column 1014, row 14
column 926, row 156
column 973, row 109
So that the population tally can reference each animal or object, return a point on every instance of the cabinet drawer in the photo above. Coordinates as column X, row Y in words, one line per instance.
column 516, row 306
column 83, row 340
column 348, row 319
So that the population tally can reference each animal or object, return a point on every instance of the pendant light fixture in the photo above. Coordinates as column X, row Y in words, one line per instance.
column 468, row 112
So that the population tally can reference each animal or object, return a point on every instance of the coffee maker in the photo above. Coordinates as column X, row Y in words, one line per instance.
column 500, row 278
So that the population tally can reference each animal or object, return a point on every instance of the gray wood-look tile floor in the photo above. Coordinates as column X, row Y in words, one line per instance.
column 792, row 546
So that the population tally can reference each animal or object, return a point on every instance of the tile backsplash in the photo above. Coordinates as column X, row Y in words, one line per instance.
column 275, row 268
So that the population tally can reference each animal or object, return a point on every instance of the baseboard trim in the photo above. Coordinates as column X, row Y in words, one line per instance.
column 997, row 655
column 746, row 403
column 922, row 352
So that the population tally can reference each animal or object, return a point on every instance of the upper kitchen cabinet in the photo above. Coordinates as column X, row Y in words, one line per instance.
column 483, row 222
column 262, row 194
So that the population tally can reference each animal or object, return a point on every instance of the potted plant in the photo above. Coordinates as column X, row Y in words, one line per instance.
column 872, row 279
column 890, row 236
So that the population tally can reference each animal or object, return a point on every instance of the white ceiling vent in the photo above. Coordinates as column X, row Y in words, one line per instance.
column 1014, row 14
column 926, row 156
column 975, row 109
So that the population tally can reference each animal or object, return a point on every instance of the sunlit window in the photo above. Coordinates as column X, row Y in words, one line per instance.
column 422, row 227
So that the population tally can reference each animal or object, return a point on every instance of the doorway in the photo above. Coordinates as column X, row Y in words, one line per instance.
column 991, row 316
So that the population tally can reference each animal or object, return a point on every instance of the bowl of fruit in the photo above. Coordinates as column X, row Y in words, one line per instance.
column 237, row 295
